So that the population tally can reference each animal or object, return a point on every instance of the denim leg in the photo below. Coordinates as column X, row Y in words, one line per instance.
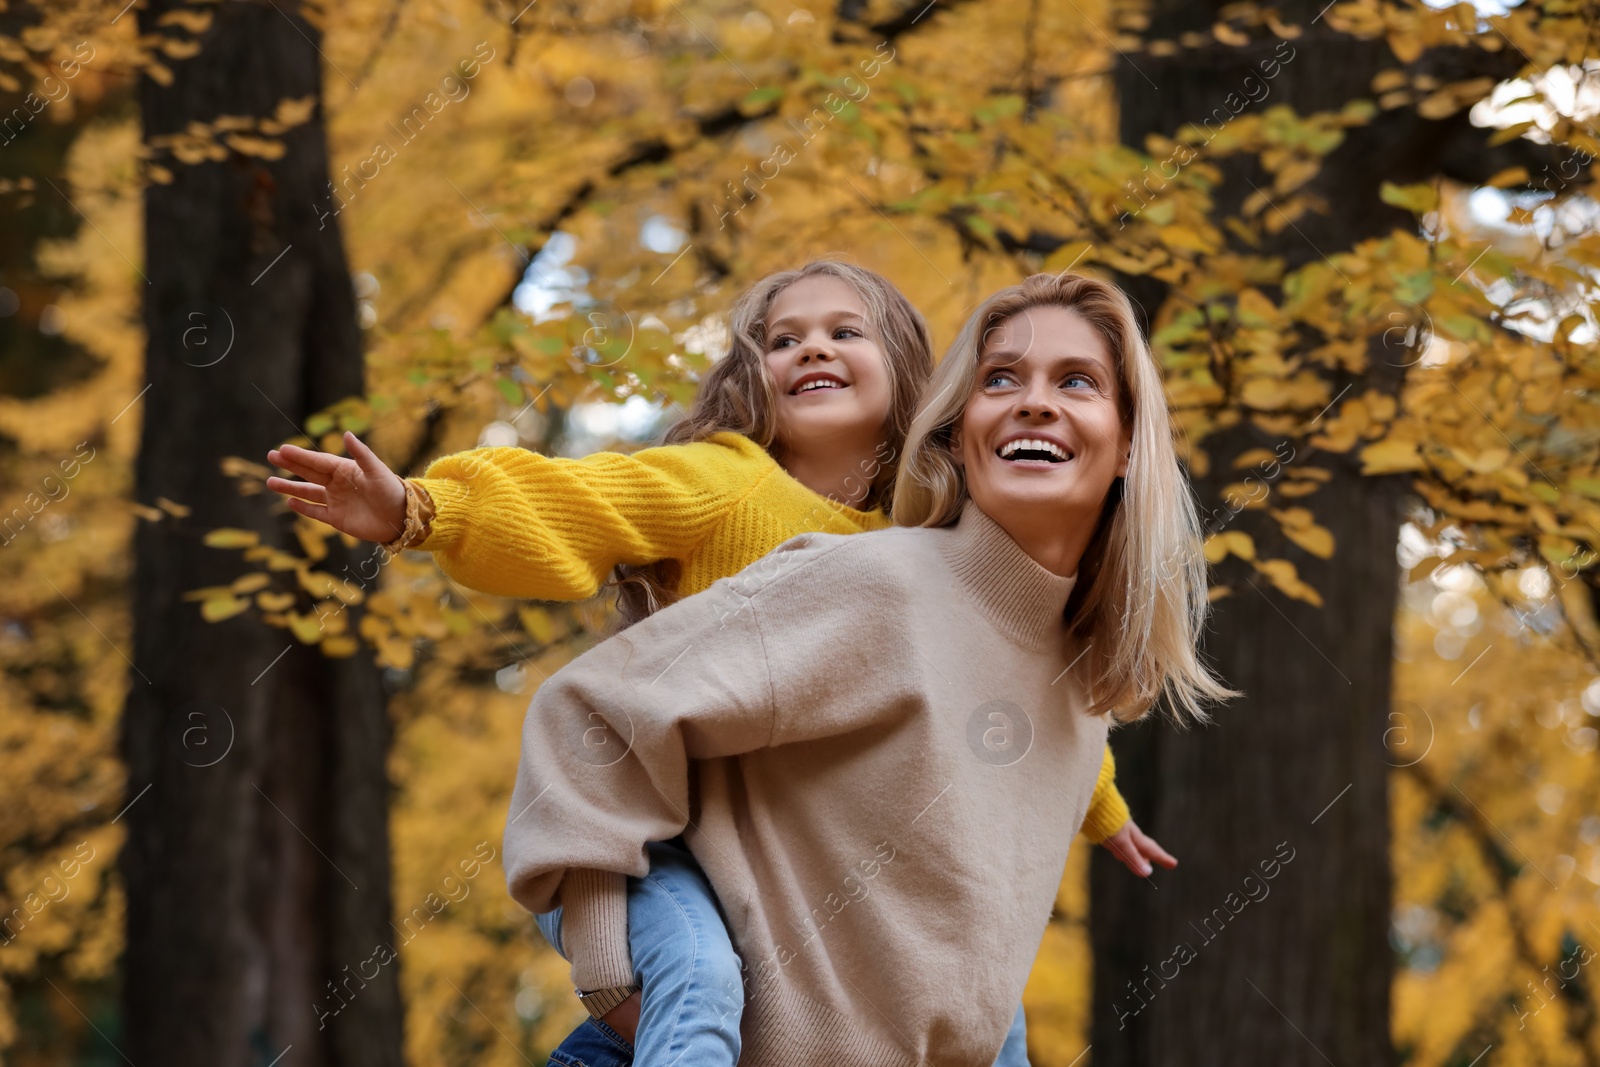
column 693, row 991
column 592, row 1044
column 1014, row 1053
column 550, row 926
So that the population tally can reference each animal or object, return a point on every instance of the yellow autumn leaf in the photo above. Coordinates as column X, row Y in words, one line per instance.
column 1317, row 540
column 1286, row 578
column 295, row 111
column 249, row 583
column 228, row 537
column 1265, row 394
column 275, row 601
column 340, row 646
column 260, row 147
column 1390, row 457
column 396, row 652
column 306, row 629
column 219, row 608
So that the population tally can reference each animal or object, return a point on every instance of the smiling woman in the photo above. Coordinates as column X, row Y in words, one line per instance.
column 1048, row 409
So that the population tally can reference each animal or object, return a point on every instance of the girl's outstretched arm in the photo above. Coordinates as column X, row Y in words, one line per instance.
column 512, row 522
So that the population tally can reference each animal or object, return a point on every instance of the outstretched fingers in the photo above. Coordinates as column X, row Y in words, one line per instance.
column 1154, row 851
column 298, row 490
column 319, row 467
column 365, row 457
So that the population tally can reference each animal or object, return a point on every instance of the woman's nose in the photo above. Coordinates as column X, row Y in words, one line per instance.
column 1037, row 403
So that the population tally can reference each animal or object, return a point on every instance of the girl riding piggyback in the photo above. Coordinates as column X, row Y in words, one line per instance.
column 797, row 428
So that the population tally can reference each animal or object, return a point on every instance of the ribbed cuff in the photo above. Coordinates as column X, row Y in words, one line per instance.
column 446, row 517
column 594, row 928
column 1108, row 812
column 419, row 517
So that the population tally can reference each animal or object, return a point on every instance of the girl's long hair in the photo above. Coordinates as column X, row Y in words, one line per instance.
column 1140, row 601
column 738, row 395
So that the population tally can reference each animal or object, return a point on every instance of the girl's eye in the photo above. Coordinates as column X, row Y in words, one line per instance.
column 780, row 342
column 848, row 330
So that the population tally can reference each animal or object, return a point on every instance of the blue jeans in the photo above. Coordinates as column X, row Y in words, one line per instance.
column 689, row 976
column 688, row 972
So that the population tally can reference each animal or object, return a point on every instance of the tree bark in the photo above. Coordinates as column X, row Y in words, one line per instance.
column 257, row 861
column 1291, row 779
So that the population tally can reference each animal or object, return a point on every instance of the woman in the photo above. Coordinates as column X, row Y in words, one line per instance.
column 893, row 737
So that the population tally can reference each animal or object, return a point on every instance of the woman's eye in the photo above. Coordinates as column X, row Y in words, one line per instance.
column 1087, row 381
column 989, row 380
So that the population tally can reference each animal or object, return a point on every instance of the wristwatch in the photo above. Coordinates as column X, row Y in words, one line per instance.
column 600, row 1001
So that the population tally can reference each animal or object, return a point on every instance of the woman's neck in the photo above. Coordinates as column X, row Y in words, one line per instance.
column 1054, row 541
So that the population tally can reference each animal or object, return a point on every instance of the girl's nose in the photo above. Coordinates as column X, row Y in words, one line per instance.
column 813, row 350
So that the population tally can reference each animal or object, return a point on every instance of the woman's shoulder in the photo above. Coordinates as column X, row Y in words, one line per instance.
column 874, row 562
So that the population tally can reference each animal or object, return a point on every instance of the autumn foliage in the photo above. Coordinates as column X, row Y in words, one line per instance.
column 633, row 165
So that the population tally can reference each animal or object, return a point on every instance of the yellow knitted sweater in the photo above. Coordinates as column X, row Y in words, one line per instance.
column 511, row 522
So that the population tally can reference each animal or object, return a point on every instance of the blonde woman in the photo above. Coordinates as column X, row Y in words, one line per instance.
column 879, row 747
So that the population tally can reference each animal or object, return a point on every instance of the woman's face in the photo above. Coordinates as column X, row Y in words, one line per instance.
column 1042, row 438
column 832, row 379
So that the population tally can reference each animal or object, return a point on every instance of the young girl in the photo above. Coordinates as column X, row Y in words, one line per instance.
column 886, row 874
column 797, row 429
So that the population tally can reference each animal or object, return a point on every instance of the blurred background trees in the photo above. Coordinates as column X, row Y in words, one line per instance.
column 1363, row 239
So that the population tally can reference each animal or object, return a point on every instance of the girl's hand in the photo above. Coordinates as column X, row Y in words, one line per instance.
column 1136, row 849
column 624, row 1018
column 358, row 496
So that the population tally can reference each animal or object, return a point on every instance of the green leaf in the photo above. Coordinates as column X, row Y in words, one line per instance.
column 1418, row 199
column 510, row 390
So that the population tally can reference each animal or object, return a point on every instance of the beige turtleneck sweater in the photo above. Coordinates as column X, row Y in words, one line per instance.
column 890, row 759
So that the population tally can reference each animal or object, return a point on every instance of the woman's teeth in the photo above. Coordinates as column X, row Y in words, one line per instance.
column 1031, row 444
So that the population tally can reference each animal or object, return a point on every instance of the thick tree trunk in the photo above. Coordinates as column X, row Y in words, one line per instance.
column 1218, row 963
column 256, row 864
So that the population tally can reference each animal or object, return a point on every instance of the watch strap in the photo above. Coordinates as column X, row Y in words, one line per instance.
column 600, row 1001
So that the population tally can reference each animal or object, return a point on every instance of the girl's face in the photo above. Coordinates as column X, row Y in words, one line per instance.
column 832, row 379
column 1042, row 437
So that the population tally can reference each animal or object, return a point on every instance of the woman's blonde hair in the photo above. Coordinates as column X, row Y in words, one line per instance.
column 738, row 395
column 1140, row 601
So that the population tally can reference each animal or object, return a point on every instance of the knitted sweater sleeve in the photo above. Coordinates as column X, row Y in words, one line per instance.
column 512, row 522
column 608, row 739
column 1107, row 810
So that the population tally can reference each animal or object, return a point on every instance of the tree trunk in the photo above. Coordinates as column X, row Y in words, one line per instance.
column 257, row 861
column 1216, row 963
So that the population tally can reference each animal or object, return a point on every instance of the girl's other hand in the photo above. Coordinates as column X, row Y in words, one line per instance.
column 358, row 496
column 1136, row 849
column 624, row 1018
